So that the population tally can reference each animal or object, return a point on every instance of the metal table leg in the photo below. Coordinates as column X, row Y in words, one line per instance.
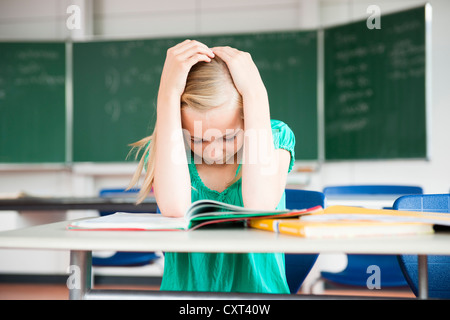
column 423, row 276
column 80, row 280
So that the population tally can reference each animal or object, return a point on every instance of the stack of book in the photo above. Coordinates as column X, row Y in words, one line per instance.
column 346, row 221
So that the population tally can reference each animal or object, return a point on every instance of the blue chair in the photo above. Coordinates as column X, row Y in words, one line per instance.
column 299, row 265
column 438, row 266
column 122, row 259
column 371, row 190
column 355, row 273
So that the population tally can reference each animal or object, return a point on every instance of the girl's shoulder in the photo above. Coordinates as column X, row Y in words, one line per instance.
column 282, row 132
column 276, row 123
column 280, row 126
column 283, row 138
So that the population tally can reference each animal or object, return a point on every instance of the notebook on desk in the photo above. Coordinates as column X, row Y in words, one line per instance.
column 201, row 213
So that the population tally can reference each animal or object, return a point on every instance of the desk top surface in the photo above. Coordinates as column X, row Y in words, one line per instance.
column 77, row 203
column 55, row 236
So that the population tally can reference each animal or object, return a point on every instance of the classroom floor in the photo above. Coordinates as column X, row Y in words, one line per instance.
column 21, row 291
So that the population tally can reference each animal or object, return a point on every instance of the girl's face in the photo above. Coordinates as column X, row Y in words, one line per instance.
column 215, row 135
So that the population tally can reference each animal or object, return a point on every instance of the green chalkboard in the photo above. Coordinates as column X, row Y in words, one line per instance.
column 116, row 84
column 375, row 88
column 32, row 102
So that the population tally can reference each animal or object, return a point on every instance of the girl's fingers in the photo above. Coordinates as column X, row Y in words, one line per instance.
column 192, row 47
column 227, row 54
column 197, row 58
column 195, row 50
column 224, row 54
column 177, row 46
column 242, row 68
column 186, row 45
column 225, row 51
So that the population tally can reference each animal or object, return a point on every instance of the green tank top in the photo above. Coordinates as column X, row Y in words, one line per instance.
column 230, row 272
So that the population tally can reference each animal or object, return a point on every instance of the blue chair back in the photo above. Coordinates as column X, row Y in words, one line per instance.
column 123, row 258
column 118, row 193
column 438, row 266
column 372, row 190
column 299, row 265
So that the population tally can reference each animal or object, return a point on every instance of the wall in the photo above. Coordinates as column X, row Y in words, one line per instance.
column 46, row 19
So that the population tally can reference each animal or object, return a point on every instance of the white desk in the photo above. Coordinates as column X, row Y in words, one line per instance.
column 55, row 236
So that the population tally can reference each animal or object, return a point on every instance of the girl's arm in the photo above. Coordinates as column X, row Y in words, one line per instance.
column 264, row 168
column 172, row 185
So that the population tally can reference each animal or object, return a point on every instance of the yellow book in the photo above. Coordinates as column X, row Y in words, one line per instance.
column 347, row 221
column 340, row 229
column 358, row 213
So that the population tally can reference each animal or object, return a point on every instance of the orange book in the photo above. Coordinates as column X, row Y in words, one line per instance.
column 358, row 213
column 340, row 229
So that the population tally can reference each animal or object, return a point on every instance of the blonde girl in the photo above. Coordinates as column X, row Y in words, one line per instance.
column 214, row 139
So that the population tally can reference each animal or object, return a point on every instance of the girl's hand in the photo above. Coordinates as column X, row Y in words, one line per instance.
column 243, row 70
column 179, row 61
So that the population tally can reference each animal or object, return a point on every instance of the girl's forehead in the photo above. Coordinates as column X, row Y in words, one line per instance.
column 217, row 119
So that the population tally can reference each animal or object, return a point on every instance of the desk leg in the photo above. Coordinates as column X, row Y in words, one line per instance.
column 81, row 268
column 423, row 276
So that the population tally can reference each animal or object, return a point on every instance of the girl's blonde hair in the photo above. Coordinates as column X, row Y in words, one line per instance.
column 208, row 85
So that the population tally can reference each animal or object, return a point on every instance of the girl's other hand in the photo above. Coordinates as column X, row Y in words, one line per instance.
column 243, row 70
column 179, row 61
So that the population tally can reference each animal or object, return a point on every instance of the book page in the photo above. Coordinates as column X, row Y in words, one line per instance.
column 215, row 209
column 131, row 221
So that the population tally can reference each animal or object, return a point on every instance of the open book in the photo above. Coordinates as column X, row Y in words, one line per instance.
column 199, row 214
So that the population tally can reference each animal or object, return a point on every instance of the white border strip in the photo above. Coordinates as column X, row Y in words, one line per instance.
column 320, row 95
column 69, row 102
column 428, row 78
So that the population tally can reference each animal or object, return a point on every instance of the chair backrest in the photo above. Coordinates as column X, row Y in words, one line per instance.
column 300, row 199
column 118, row 193
column 424, row 203
column 372, row 190
column 299, row 265
column 438, row 266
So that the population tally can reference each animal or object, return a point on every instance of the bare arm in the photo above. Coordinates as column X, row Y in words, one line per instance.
column 264, row 169
column 172, row 185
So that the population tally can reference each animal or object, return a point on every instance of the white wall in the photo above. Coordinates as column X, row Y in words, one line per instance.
column 46, row 19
